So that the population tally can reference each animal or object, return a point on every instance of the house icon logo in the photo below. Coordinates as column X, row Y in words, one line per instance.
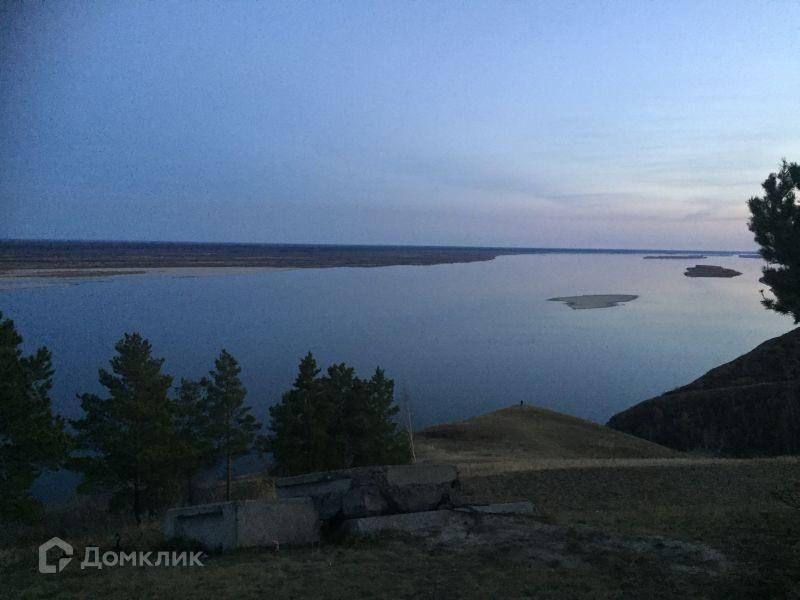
column 66, row 549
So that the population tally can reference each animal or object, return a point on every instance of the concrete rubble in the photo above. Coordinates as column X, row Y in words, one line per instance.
column 433, row 520
column 244, row 523
column 358, row 501
column 367, row 491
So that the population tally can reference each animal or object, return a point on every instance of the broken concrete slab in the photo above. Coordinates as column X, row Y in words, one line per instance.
column 368, row 491
column 322, row 483
column 523, row 507
column 293, row 521
column 263, row 522
column 426, row 521
column 213, row 526
column 433, row 521
column 400, row 475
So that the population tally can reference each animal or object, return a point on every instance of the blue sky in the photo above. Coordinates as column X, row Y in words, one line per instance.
column 592, row 124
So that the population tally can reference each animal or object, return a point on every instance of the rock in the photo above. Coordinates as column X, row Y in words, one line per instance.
column 366, row 491
column 747, row 407
column 263, row 522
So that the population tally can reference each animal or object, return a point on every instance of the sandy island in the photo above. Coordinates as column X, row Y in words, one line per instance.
column 676, row 257
column 34, row 278
column 594, row 300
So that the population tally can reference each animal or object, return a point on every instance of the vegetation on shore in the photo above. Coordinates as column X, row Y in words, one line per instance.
column 143, row 449
column 775, row 221
column 571, row 549
column 31, row 438
column 335, row 421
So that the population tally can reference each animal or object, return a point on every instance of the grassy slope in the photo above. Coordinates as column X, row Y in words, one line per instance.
column 608, row 483
column 526, row 437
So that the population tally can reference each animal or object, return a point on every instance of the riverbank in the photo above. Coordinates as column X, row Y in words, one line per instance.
column 66, row 256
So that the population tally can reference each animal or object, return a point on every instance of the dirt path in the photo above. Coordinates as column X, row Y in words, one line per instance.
column 478, row 465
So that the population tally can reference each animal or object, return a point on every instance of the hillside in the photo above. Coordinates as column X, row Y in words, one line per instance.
column 747, row 407
column 525, row 437
column 613, row 513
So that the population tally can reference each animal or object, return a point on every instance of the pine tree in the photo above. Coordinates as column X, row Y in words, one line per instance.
column 193, row 450
column 335, row 421
column 301, row 424
column 129, row 436
column 31, row 438
column 775, row 221
column 232, row 428
column 387, row 443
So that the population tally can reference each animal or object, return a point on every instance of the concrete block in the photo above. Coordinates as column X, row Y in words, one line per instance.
column 211, row 525
column 262, row 522
column 367, row 491
column 433, row 522
column 419, row 522
column 317, row 488
column 401, row 475
column 505, row 508
column 327, row 490
column 364, row 500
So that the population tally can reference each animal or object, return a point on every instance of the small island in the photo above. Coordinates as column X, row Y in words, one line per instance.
column 594, row 300
column 676, row 257
column 710, row 271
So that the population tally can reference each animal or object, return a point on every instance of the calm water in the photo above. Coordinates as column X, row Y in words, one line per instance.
column 463, row 339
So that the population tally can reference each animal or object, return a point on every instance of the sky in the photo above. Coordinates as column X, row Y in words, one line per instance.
column 562, row 124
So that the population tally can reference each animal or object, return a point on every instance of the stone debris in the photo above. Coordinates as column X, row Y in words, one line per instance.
column 371, row 491
column 360, row 501
column 433, row 521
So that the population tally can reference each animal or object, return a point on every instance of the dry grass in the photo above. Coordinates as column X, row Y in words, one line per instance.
column 614, row 513
column 521, row 438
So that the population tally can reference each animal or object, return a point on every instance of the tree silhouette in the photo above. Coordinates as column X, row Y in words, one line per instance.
column 31, row 438
column 335, row 421
column 775, row 221
column 129, row 436
column 231, row 428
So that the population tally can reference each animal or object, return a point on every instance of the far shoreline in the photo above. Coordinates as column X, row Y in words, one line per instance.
column 69, row 259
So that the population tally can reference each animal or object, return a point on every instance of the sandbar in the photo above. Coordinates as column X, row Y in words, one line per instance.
column 34, row 278
column 676, row 257
column 589, row 301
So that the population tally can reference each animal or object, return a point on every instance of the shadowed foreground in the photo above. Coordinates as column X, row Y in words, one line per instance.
column 617, row 518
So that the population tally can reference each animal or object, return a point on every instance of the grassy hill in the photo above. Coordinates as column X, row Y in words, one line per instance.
column 528, row 437
column 747, row 407
column 617, row 517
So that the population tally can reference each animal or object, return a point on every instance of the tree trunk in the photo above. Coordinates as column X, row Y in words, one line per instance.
column 228, row 478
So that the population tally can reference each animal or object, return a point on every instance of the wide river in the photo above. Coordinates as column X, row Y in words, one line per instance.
column 462, row 339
